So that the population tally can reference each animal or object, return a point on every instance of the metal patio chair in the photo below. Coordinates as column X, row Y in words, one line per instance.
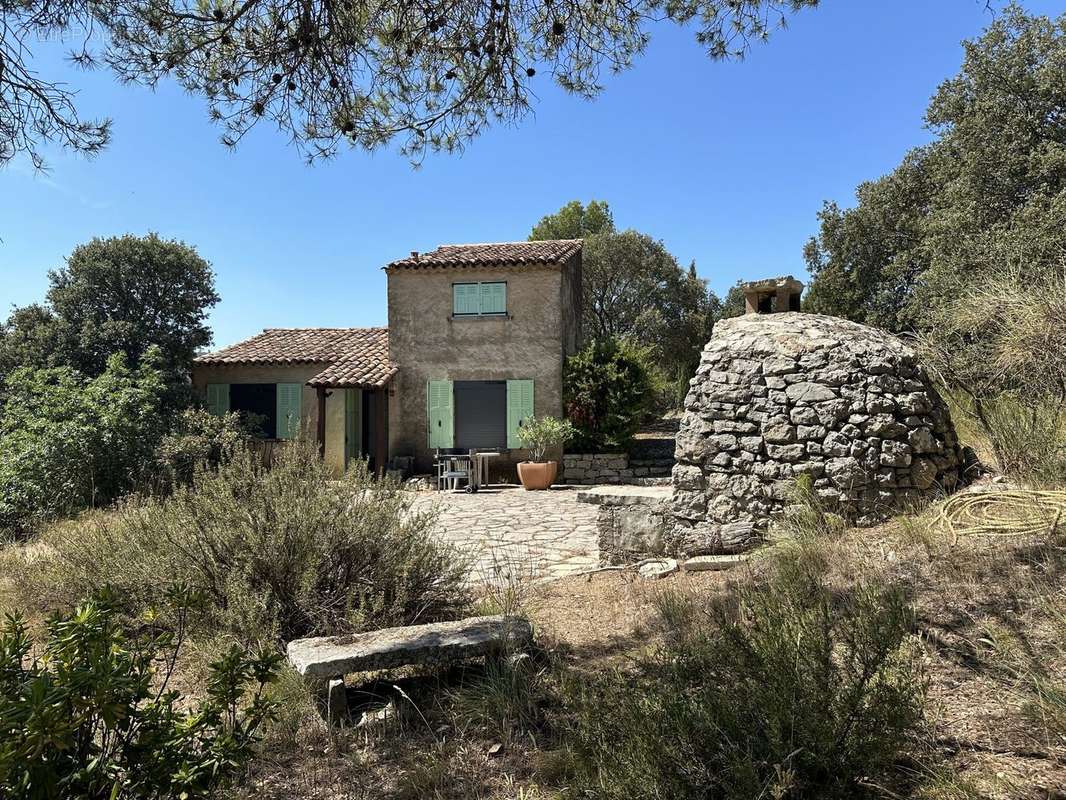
column 453, row 469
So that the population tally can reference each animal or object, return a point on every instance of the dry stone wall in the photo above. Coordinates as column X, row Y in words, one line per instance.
column 587, row 469
column 781, row 395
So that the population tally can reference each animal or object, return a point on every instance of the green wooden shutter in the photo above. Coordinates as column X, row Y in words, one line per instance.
column 519, row 408
column 218, row 398
column 289, row 397
column 494, row 298
column 465, row 298
column 441, row 414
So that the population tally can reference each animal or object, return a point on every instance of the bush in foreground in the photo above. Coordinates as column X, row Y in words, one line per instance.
column 785, row 687
column 91, row 717
column 281, row 552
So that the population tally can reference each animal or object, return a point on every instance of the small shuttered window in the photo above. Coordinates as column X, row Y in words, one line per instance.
column 488, row 298
column 218, row 398
column 289, row 397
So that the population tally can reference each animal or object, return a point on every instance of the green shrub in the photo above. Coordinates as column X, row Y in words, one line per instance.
column 607, row 390
column 1000, row 348
column 784, row 687
column 68, row 442
column 201, row 439
column 286, row 551
column 91, row 717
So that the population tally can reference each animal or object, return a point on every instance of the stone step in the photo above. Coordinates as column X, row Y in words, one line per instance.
column 433, row 644
column 624, row 495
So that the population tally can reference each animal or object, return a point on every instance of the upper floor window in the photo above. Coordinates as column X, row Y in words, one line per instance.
column 479, row 299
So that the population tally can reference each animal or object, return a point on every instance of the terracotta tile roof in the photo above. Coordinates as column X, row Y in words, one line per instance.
column 350, row 356
column 518, row 254
column 359, row 370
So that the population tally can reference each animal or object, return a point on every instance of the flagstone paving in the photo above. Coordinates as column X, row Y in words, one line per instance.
column 512, row 534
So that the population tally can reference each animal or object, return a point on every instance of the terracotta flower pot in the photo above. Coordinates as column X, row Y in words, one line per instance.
column 537, row 475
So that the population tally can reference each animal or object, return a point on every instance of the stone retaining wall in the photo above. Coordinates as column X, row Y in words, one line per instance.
column 632, row 521
column 587, row 469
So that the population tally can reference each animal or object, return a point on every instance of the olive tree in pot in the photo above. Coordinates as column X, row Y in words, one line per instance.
column 539, row 435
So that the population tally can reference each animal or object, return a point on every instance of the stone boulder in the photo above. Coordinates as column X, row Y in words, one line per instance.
column 782, row 395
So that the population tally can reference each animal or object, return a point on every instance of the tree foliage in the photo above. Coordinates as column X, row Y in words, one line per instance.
column 633, row 288
column 607, row 390
column 575, row 221
column 68, row 442
column 92, row 716
column 427, row 75
column 124, row 294
column 989, row 192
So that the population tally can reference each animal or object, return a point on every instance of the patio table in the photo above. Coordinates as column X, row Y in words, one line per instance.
column 479, row 463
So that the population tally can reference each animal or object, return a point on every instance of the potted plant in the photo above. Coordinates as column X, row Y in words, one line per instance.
column 538, row 435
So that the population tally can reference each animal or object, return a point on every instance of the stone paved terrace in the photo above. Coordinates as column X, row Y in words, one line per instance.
column 533, row 534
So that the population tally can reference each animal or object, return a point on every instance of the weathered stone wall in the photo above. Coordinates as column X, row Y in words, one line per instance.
column 652, row 457
column 632, row 521
column 587, row 469
column 777, row 396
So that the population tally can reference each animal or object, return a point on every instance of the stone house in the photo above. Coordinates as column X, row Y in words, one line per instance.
column 476, row 341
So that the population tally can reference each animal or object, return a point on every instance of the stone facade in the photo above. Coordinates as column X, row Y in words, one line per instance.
column 541, row 328
column 782, row 395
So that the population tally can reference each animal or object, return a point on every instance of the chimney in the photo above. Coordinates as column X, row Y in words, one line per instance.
column 414, row 255
column 772, row 295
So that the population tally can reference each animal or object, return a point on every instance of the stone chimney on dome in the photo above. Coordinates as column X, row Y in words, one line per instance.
column 772, row 295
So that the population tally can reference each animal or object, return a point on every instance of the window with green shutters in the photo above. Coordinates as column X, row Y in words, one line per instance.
column 487, row 298
column 289, row 400
column 494, row 298
column 218, row 398
column 519, row 409
column 439, row 401
column 466, row 299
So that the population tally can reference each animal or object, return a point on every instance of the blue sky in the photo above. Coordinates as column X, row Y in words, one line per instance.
column 727, row 163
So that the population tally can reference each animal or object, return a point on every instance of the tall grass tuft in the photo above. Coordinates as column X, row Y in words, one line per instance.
column 279, row 552
column 807, row 517
column 783, row 687
column 1027, row 440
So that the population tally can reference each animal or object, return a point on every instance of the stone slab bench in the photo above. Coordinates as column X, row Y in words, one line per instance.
column 332, row 657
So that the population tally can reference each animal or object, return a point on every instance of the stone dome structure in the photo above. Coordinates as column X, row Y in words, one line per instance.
column 781, row 395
